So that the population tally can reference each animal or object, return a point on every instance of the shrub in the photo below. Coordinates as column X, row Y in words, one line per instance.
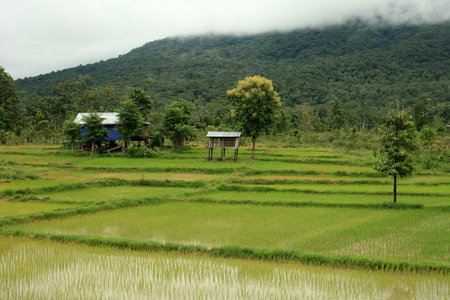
column 16, row 174
column 140, row 152
column 427, row 135
column 188, row 147
column 435, row 157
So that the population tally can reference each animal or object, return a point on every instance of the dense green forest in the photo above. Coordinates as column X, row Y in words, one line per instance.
column 344, row 77
column 368, row 68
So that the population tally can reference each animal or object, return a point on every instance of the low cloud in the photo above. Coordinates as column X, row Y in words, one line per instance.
column 41, row 36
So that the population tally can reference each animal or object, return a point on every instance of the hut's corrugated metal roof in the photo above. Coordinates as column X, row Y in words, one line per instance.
column 223, row 134
column 109, row 118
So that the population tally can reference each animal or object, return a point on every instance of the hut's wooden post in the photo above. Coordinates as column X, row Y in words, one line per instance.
column 210, row 157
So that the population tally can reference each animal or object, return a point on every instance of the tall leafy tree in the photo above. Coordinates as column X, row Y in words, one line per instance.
column 337, row 117
column 444, row 113
column 143, row 101
column 217, row 112
column 95, row 131
column 176, row 119
column 108, row 99
column 71, row 132
column 85, row 94
column 420, row 114
column 398, row 140
column 281, row 123
column 75, row 96
column 42, row 129
column 51, row 108
column 9, row 110
column 130, row 121
column 200, row 114
column 254, row 104
column 65, row 95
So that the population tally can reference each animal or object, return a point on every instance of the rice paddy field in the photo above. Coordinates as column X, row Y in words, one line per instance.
column 295, row 223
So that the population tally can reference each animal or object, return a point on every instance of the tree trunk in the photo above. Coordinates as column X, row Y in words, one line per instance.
column 254, row 145
column 92, row 148
column 73, row 146
column 395, row 189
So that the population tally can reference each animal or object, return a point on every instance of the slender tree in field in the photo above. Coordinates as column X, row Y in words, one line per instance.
column 398, row 139
column 95, row 131
column 254, row 104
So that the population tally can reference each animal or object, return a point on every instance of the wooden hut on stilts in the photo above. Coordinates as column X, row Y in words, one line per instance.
column 223, row 140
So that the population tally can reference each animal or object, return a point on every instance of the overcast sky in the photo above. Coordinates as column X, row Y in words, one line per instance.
column 40, row 36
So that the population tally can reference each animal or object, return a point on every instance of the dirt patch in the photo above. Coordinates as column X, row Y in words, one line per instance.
column 3, row 199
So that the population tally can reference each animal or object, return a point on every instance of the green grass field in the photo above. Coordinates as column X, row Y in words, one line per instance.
column 294, row 223
column 406, row 235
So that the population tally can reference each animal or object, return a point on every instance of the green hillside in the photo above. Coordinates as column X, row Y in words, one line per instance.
column 368, row 68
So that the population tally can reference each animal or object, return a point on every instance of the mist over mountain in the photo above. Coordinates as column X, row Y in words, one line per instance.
column 365, row 66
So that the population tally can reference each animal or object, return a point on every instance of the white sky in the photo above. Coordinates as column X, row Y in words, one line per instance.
column 40, row 36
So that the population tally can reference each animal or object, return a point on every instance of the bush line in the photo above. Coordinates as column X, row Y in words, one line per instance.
column 314, row 161
column 312, row 172
column 265, row 189
column 165, row 170
column 307, row 181
column 110, row 182
column 258, row 181
column 385, row 205
column 292, row 156
column 167, row 183
column 66, row 187
column 329, row 260
column 243, row 253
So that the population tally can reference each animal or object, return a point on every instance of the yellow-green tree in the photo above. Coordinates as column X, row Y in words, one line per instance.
column 254, row 104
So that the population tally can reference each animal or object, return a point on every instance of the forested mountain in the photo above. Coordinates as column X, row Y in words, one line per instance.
column 368, row 68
